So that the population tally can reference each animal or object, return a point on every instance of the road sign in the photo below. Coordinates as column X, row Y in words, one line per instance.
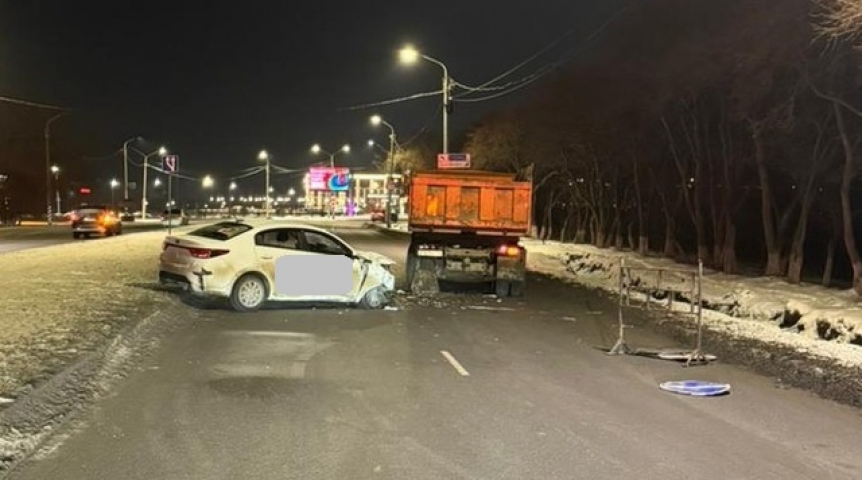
column 172, row 163
column 453, row 160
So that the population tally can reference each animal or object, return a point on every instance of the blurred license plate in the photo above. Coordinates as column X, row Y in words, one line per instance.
column 89, row 219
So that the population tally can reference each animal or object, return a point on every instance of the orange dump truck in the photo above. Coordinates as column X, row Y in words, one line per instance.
column 465, row 226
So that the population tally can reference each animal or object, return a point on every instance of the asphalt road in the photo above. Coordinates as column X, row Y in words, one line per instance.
column 24, row 238
column 458, row 387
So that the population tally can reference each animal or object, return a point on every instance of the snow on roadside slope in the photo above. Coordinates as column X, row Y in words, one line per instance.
column 58, row 301
column 809, row 318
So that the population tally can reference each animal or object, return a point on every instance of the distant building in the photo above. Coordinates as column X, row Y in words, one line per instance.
column 366, row 190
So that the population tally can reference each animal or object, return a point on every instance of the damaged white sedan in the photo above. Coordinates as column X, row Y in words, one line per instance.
column 237, row 260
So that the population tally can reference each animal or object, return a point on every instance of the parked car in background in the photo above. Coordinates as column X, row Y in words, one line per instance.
column 90, row 220
column 236, row 260
column 175, row 217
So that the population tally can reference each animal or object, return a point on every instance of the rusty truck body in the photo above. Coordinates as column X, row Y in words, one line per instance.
column 465, row 226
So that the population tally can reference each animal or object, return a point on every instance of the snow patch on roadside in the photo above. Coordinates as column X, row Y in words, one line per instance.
column 811, row 319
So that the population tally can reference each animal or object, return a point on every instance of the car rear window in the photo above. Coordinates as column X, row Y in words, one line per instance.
column 221, row 231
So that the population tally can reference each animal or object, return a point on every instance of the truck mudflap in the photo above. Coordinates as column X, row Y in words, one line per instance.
column 513, row 269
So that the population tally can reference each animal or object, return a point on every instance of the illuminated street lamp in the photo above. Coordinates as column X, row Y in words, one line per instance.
column 378, row 120
column 208, row 182
column 409, row 56
column 264, row 156
column 315, row 149
column 114, row 184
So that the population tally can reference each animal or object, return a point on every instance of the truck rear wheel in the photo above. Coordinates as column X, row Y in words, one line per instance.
column 501, row 288
column 506, row 288
column 516, row 289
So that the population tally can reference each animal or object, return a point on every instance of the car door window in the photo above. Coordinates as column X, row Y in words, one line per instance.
column 319, row 243
column 283, row 238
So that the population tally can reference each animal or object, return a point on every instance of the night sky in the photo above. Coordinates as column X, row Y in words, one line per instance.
column 216, row 81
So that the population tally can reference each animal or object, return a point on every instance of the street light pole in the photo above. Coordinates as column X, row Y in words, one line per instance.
column 409, row 54
column 162, row 151
column 126, row 168
column 56, row 170
column 263, row 155
column 377, row 120
column 48, row 165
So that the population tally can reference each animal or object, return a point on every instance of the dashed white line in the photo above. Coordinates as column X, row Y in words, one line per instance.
column 455, row 364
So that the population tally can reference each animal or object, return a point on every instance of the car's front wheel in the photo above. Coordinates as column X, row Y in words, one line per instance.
column 249, row 293
column 374, row 299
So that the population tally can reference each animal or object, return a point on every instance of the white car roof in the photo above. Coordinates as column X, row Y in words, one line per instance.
column 263, row 223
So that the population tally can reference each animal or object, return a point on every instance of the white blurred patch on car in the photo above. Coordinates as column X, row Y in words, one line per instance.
column 314, row 275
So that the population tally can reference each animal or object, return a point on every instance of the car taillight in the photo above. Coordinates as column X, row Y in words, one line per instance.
column 508, row 251
column 206, row 252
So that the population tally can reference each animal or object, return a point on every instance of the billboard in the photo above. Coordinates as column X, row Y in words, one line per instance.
column 329, row 179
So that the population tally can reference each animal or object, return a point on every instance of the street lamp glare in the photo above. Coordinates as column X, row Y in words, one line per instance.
column 115, row 183
column 208, row 181
column 345, row 149
column 55, row 168
column 375, row 120
column 315, row 148
column 263, row 155
column 371, row 143
column 163, row 151
column 408, row 55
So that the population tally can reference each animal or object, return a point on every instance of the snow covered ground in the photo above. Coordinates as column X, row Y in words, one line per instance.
column 56, row 302
column 817, row 321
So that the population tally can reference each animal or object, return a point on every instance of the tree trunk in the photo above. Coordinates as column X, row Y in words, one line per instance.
column 581, row 232
column 643, row 242
column 796, row 257
column 630, row 233
column 669, row 249
column 729, row 263
column 846, row 206
column 773, row 251
column 830, row 262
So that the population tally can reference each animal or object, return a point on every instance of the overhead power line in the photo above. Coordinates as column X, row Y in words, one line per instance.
column 31, row 104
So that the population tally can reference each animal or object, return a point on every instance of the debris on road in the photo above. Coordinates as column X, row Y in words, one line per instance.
column 696, row 388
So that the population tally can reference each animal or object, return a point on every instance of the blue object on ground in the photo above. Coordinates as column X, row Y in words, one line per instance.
column 696, row 388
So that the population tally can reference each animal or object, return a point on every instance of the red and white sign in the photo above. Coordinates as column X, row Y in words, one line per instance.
column 453, row 160
column 329, row 179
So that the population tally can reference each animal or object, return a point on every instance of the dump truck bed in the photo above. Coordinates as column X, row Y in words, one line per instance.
column 469, row 201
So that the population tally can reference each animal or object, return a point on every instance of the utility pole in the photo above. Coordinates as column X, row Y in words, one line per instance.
column 445, row 110
column 48, row 172
column 389, row 183
column 144, row 189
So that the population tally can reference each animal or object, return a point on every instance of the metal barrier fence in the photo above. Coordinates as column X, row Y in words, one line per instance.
column 671, row 282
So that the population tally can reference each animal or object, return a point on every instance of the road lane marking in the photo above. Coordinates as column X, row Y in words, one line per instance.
column 455, row 364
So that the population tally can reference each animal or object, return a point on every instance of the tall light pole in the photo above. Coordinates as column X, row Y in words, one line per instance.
column 56, row 171
column 315, row 149
column 162, row 151
column 377, row 120
column 126, row 167
column 409, row 55
column 264, row 156
column 48, row 165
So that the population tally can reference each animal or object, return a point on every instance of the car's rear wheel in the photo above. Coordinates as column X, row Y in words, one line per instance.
column 249, row 293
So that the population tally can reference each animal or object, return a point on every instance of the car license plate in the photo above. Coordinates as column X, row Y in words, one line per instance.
column 89, row 219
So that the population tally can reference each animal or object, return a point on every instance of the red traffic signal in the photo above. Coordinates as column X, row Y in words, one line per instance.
column 84, row 190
